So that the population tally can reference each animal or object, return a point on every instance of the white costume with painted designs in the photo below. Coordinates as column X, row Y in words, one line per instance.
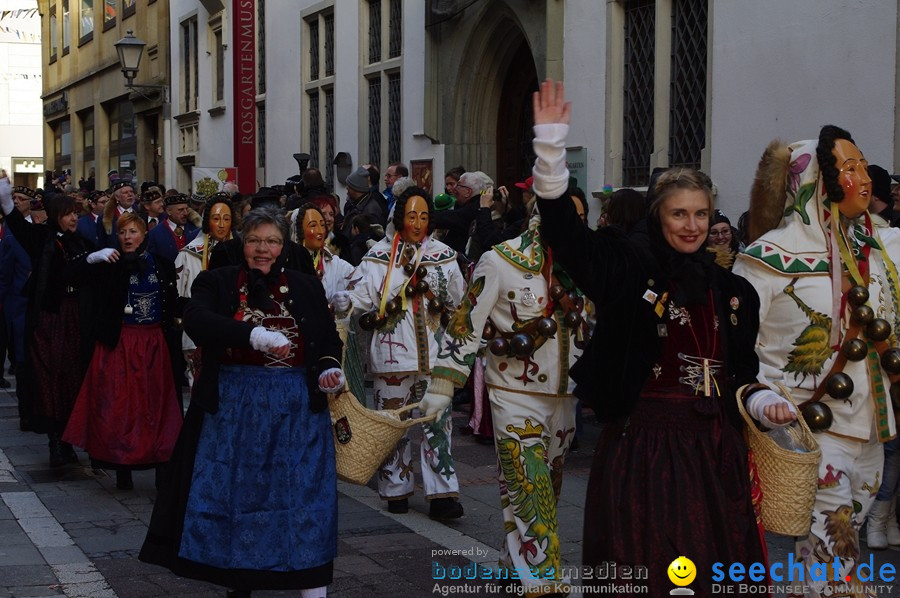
column 402, row 354
column 531, row 402
column 802, row 322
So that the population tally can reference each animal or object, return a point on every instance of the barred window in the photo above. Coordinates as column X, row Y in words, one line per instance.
column 314, row 128
column 375, row 120
column 318, row 91
column 374, row 31
column 687, row 100
column 313, row 49
column 329, row 137
column 662, row 79
column 329, row 45
column 640, row 44
column 261, row 46
column 381, row 76
column 394, row 100
column 396, row 26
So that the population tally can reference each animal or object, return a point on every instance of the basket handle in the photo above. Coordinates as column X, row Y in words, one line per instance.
column 751, row 424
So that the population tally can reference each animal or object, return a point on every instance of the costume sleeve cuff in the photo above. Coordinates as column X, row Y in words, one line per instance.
column 551, row 176
column 441, row 386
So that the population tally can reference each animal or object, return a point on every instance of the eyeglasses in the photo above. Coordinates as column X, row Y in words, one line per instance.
column 267, row 243
column 720, row 233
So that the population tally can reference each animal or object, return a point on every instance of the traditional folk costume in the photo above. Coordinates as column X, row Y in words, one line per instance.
column 536, row 324
column 404, row 347
column 58, row 310
column 804, row 271
column 673, row 341
column 260, row 424
column 127, row 412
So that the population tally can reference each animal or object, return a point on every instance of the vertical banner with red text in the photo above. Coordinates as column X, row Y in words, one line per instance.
column 244, row 18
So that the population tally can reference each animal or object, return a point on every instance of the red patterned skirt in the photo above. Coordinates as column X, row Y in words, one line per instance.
column 54, row 352
column 127, row 412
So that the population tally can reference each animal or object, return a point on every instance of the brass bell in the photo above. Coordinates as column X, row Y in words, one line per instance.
column 445, row 318
column 878, row 330
column 522, row 345
column 546, row 327
column 421, row 286
column 408, row 268
column 863, row 314
column 393, row 306
column 579, row 303
column 817, row 416
column 422, row 272
column 410, row 290
column 489, row 331
column 436, row 305
column 855, row 349
column 857, row 295
column 557, row 291
column 499, row 347
column 573, row 318
column 890, row 361
column 839, row 385
column 367, row 320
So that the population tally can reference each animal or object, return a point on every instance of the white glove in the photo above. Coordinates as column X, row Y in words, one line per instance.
column 551, row 176
column 433, row 404
column 341, row 301
column 761, row 399
column 266, row 340
column 6, row 200
column 101, row 255
column 331, row 389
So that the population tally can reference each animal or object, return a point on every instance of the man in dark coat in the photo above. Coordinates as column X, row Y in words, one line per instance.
column 174, row 232
column 87, row 224
column 361, row 201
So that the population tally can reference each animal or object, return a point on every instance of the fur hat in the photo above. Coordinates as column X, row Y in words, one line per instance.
column 119, row 183
column 174, row 200
column 25, row 191
column 358, row 180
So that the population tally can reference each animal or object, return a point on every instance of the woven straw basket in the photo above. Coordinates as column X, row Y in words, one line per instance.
column 363, row 438
column 788, row 478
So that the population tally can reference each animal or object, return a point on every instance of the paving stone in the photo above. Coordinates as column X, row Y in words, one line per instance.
column 26, row 574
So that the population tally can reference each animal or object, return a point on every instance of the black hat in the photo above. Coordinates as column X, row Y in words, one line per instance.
column 150, row 194
column 881, row 183
column 25, row 191
column 719, row 218
column 266, row 196
column 178, row 199
column 118, row 184
column 95, row 195
column 197, row 199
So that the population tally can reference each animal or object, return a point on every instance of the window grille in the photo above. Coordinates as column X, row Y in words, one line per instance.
column 687, row 107
column 394, row 117
column 375, row 120
column 640, row 45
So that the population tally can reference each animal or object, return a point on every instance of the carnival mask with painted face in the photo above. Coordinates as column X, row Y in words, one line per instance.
column 314, row 230
column 415, row 220
column 853, row 177
column 220, row 221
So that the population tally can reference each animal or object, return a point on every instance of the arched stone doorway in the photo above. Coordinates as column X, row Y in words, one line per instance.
column 489, row 128
column 514, row 119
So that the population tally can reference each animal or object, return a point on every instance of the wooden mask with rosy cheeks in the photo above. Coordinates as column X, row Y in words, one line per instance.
column 314, row 230
column 220, row 221
column 415, row 220
column 853, row 177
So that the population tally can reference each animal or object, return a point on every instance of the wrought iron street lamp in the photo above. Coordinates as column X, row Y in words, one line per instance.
column 130, row 50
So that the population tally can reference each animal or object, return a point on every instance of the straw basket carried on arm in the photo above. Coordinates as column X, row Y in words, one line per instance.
column 363, row 438
column 787, row 478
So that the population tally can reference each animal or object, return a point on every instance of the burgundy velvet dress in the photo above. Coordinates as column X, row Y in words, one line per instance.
column 672, row 479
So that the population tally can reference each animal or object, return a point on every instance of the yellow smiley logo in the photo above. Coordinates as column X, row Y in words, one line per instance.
column 682, row 571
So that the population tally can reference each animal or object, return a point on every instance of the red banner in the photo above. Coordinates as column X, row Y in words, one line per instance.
column 244, row 18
